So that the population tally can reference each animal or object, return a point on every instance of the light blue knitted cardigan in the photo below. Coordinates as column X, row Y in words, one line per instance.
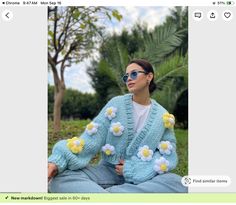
column 126, row 146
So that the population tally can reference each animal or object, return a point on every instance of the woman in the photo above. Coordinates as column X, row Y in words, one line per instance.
column 135, row 135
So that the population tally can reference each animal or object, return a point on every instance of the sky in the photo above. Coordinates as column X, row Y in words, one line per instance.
column 76, row 76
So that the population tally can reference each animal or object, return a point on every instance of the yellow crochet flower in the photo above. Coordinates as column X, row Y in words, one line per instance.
column 75, row 145
column 169, row 120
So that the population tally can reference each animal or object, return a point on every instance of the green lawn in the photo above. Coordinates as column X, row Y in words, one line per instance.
column 182, row 151
column 73, row 128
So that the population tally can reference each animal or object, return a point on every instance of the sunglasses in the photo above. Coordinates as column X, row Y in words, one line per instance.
column 133, row 75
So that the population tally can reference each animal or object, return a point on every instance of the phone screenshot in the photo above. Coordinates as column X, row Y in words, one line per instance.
column 117, row 101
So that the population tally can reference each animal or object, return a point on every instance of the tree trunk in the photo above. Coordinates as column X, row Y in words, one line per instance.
column 58, row 98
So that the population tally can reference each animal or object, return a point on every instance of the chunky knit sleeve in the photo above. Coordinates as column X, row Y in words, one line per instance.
column 76, row 153
column 148, row 163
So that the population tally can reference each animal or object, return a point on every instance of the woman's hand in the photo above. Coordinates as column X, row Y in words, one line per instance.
column 119, row 167
column 52, row 170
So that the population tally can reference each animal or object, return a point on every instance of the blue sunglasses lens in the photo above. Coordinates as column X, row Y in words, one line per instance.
column 125, row 78
column 133, row 75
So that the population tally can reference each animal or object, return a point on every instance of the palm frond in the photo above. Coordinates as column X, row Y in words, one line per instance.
column 172, row 80
column 175, row 65
column 160, row 43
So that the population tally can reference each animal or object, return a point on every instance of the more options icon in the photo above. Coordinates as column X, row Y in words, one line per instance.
column 197, row 15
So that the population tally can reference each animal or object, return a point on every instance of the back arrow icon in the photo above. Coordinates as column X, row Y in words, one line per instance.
column 7, row 15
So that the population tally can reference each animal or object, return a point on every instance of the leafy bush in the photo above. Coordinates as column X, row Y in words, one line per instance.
column 76, row 105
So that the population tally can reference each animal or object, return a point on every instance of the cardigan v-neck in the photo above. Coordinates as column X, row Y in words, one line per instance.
column 133, row 140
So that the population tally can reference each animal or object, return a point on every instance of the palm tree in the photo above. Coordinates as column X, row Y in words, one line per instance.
column 160, row 47
column 160, row 43
column 171, row 78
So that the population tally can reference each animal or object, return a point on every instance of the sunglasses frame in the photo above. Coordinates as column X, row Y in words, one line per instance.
column 130, row 75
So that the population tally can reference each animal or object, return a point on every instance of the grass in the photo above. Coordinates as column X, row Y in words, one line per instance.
column 73, row 128
column 182, row 151
column 69, row 129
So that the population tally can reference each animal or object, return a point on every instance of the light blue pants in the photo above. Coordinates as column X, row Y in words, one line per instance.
column 103, row 179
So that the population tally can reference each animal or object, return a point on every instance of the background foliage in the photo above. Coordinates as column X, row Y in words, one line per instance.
column 165, row 46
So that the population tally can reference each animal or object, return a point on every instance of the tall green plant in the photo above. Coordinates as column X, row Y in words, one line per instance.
column 160, row 43
column 162, row 46
column 72, row 35
column 172, row 80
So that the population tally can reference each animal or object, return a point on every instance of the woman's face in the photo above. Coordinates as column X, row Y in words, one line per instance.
column 139, row 84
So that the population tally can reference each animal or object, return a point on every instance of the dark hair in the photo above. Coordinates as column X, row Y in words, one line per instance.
column 148, row 68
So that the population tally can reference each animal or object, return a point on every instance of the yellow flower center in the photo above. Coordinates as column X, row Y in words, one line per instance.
column 163, row 167
column 164, row 146
column 145, row 152
column 108, row 152
column 90, row 126
column 116, row 129
column 109, row 111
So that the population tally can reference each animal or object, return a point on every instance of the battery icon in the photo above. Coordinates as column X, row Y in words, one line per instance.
column 230, row 2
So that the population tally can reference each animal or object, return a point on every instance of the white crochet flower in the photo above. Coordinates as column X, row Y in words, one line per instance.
column 108, row 149
column 92, row 128
column 145, row 153
column 111, row 113
column 161, row 165
column 165, row 147
column 117, row 129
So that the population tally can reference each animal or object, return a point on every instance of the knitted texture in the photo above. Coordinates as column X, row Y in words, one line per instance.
column 111, row 132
